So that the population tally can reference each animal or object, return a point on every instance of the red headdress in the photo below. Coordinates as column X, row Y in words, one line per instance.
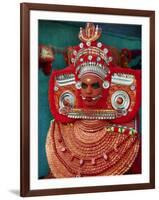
column 121, row 95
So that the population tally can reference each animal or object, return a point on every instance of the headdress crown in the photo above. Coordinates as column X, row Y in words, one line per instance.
column 91, row 56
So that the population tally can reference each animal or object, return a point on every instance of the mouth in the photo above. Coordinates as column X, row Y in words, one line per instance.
column 89, row 99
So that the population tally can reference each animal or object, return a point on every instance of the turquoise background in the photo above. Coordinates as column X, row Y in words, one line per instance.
column 62, row 34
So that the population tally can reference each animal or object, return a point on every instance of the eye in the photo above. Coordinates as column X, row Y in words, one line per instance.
column 95, row 85
column 84, row 85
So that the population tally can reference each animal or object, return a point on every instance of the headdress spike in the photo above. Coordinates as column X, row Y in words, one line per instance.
column 90, row 33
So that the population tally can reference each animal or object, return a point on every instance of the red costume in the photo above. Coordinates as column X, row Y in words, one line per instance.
column 95, row 102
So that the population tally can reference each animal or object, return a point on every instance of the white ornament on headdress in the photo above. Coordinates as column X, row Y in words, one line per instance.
column 72, row 60
column 89, row 57
column 98, row 59
column 105, row 50
column 110, row 59
column 132, row 87
column 81, row 59
column 88, row 43
column 78, row 85
column 93, row 68
column 106, row 84
column 56, row 88
column 75, row 52
column 99, row 44
column 81, row 45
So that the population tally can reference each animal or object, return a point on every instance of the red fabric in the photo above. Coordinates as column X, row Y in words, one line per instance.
column 46, row 67
column 131, row 115
column 102, row 103
column 51, row 95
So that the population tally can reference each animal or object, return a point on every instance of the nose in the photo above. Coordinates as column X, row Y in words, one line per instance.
column 89, row 90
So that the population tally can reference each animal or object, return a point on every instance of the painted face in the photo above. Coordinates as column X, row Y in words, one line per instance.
column 91, row 89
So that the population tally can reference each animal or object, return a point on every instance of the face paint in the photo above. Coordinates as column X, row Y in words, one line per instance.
column 91, row 89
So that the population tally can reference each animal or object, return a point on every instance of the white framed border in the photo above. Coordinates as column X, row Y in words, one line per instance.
column 144, row 177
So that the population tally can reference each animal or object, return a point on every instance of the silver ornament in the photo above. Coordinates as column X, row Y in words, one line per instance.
column 106, row 84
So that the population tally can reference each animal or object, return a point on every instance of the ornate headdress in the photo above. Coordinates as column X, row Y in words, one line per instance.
column 121, row 97
column 91, row 56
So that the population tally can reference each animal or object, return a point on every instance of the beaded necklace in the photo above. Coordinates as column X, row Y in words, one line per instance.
column 88, row 151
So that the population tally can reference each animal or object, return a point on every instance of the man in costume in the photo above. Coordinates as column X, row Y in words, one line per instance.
column 95, row 103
